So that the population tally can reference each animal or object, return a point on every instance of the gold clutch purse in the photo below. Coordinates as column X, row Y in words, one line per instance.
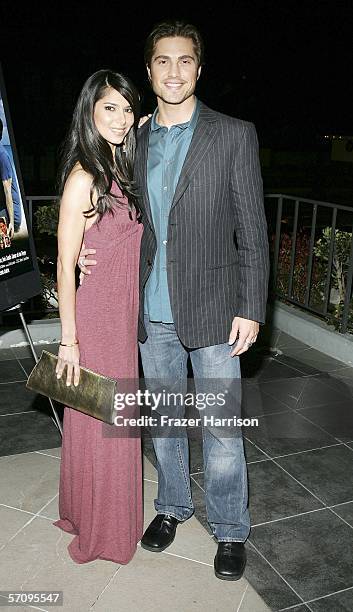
column 94, row 394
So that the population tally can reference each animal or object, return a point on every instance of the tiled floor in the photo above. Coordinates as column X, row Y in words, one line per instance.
column 300, row 462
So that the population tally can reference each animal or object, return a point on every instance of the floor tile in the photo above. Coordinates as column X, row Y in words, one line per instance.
column 149, row 471
column 27, row 364
column 25, row 352
column 275, row 370
column 297, row 549
column 164, row 574
column 37, row 559
column 302, row 608
column 345, row 375
column 11, row 522
column 284, row 341
column 336, row 418
column 281, row 434
column 51, row 451
column 256, row 402
column 51, row 511
column 6, row 354
column 252, row 602
column 340, row 380
column 345, row 511
column 252, row 453
column 15, row 397
column 335, row 463
column 27, row 432
column 287, row 390
column 28, row 481
column 340, row 602
column 295, row 360
column 270, row 586
column 317, row 391
column 11, row 371
column 273, row 494
column 22, row 609
column 320, row 361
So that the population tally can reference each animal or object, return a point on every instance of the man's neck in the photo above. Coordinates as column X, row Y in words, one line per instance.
column 173, row 114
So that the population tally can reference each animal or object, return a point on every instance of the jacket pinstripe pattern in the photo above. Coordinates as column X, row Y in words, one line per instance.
column 217, row 246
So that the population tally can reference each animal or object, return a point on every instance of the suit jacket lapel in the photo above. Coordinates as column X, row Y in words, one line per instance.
column 202, row 140
column 142, row 162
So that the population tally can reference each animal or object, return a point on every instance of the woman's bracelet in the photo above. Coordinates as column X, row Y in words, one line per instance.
column 73, row 344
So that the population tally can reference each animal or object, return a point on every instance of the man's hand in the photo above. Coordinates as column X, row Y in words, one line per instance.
column 82, row 262
column 247, row 331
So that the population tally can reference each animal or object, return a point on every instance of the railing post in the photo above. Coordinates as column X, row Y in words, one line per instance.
column 347, row 300
column 277, row 241
column 330, row 259
column 293, row 248
column 311, row 254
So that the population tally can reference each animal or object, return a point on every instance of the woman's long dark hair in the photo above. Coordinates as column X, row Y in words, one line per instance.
column 85, row 145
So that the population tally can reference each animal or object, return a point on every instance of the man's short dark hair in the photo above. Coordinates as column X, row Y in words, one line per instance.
column 173, row 28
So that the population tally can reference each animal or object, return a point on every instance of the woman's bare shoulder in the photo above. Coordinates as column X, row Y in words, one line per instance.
column 77, row 190
column 79, row 178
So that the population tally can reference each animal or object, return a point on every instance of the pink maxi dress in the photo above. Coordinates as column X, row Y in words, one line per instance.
column 100, row 493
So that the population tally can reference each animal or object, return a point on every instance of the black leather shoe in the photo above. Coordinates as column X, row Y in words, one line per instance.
column 230, row 560
column 160, row 533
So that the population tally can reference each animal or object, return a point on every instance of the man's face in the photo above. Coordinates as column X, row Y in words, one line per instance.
column 174, row 72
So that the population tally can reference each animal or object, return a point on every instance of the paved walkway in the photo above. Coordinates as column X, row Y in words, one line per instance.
column 33, row 553
column 300, row 462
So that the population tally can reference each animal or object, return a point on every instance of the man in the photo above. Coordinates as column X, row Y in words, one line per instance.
column 9, row 197
column 200, row 290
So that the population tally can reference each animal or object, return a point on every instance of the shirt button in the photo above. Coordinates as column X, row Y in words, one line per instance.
column 165, row 241
column 165, row 188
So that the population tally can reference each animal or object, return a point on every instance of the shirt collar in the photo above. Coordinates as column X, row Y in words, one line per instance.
column 182, row 126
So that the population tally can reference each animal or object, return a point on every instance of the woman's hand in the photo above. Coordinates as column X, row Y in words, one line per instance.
column 144, row 119
column 69, row 357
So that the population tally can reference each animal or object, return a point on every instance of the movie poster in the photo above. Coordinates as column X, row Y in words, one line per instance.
column 17, row 255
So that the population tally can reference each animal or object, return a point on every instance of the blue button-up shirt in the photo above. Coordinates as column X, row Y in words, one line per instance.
column 166, row 154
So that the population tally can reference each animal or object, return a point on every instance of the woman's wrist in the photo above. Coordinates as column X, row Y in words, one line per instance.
column 72, row 343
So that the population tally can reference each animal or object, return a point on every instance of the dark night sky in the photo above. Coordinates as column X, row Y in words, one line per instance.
column 286, row 65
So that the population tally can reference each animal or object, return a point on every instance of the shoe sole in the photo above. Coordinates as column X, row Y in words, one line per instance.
column 154, row 549
column 222, row 577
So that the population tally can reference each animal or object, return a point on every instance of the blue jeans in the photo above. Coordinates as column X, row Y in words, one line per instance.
column 164, row 358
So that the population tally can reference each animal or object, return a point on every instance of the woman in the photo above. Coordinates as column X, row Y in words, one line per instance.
column 100, row 499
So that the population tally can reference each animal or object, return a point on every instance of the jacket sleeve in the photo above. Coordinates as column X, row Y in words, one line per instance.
column 250, row 228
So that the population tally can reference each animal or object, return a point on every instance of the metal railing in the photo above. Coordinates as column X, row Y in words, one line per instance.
column 309, row 284
column 295, row 227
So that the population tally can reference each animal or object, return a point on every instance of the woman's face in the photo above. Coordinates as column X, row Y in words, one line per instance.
column 113, row 117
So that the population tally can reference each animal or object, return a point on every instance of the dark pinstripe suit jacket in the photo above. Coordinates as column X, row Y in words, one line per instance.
column 217, row 249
